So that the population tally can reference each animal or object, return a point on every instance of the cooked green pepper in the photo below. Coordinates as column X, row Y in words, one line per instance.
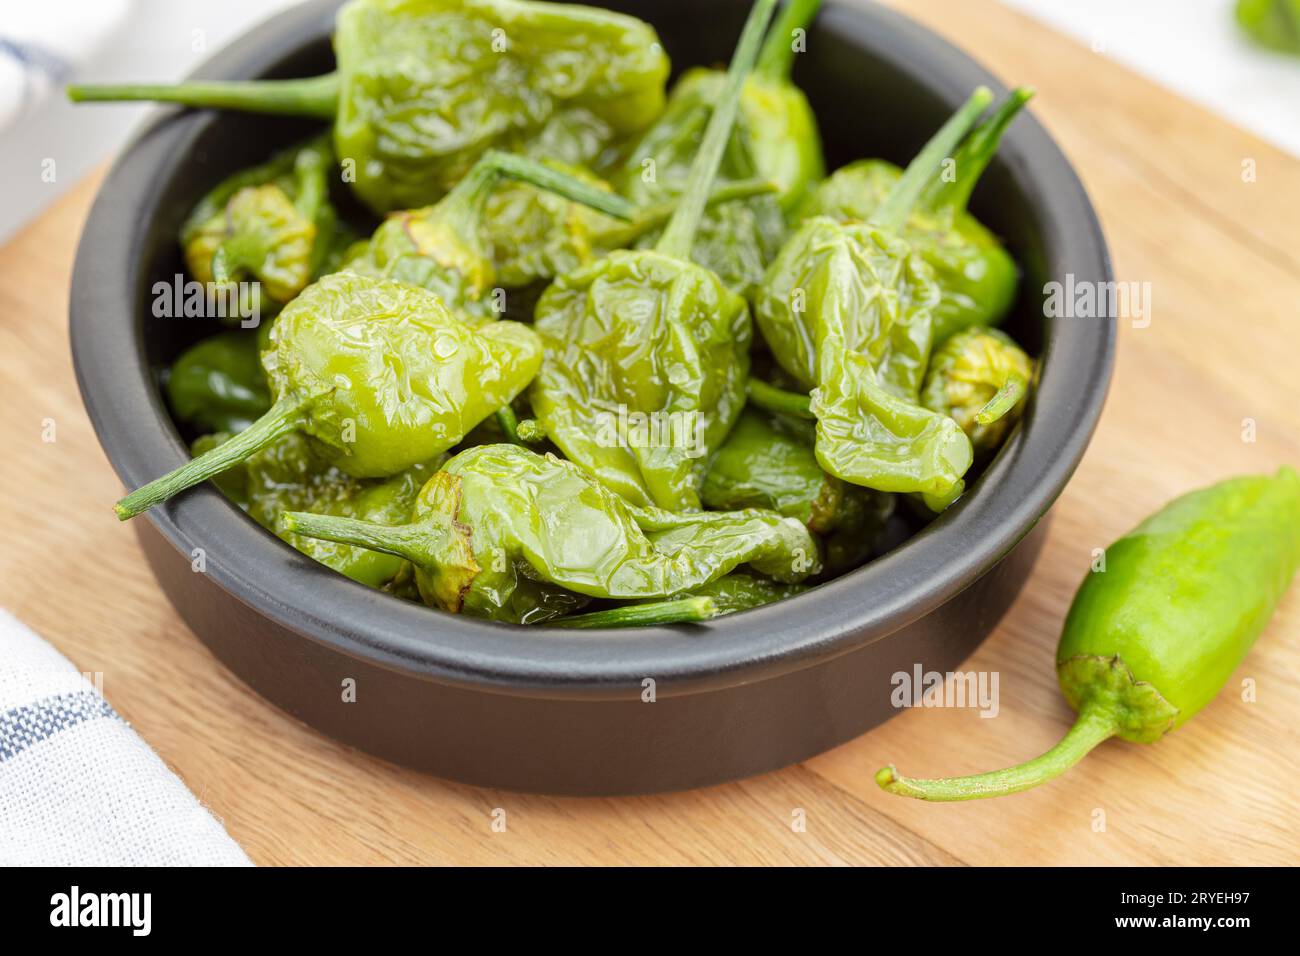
column 977, row 277
column 1153, row 637
column 847, row 308
column 775, row 138
column 423, row 87
column 382, row 374
column 504, row 533
column 293, row 475
column 646, row 352
column 442, row 247
column 1271, row 23
column 273, row 222
column 979, row 377
column 219, row 384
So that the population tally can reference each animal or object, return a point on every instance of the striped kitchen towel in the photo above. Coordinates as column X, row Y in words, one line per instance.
column 78, row 787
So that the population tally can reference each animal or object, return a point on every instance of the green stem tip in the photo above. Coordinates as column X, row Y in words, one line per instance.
column 776, row 58
column 1094, row 725
column 315, row 96
column 1004, row 400
column 681, row 611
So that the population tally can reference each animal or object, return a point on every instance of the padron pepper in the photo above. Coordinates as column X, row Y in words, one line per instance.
column 273, row 223
column 979, row 378
column 646, row 352
column 775, row 137
column 846, row 309
column 977, row 277
column 1153, row 637
column 293, row 475
column 1271, row 23
column 443, row 248
column 381, row 374
column 507, row 534
column 219, row 384
column 423, row 87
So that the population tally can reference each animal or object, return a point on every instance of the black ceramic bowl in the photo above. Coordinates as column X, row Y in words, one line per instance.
column 567, row 712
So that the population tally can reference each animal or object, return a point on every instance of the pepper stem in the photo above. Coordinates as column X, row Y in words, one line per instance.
column 893, row 212
column 776, row 59
column 315, row 96
column 1095, row 724
column 679, row 236
column 404, row 541
column 310, row 170
column 650, row 218
column 283, row 417
column 1004, row 400
column 777, row 400
column 680, row 611
column 975, row 154
column 509, row 423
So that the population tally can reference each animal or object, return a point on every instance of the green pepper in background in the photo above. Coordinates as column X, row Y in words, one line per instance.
column 219, row 384
column 977, row 277
column 979, row 377
column 442, row 247
column 650, row 334
column 424, row 87
column 775, row 138
column 1153, row 638
column 846, row 309
column 1271, row 23
column 504, row 533
column 272, row 222
column 382, row 374
column 293, row 475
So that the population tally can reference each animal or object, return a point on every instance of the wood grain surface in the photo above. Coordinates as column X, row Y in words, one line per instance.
column 1223, row 346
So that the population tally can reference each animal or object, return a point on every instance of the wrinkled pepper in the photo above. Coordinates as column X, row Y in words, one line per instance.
column 273, row 223
column 442, row 247
column 979, row 378
column 646, row 352
column 847, row 309
column 977, row 277
column 293, row 475
column 775, row 137
column 423, row 88
column 507, row 534
column 382, row 375
column 219, row 384
column 1153, row 637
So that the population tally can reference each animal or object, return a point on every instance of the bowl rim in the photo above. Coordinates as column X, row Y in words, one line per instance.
column 1014, row 492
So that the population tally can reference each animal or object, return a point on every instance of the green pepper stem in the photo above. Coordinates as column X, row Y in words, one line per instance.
column 1004, row 400
column 531, row 431
column 1095, row 724
column 975, row 154
column 680, row 611
column 509, row 423
column 776, row 59
column 893, row 212
column 777, row 400
column 404, row 541
column 283, row 417
column 679, row 237
column 650, row 218
column 315, row 96
column 310, row 170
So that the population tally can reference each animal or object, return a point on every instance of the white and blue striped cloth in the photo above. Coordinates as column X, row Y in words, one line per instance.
column 78, row 787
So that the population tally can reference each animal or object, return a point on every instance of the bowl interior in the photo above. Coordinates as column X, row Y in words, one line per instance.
column 880, row 86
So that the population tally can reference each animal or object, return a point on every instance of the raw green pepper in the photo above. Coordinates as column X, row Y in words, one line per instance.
column 646, row 352
column 1153, row 637
column 293, row 475
column 273, row 222
column 846, row 309
column 979, row 377
column 977, row 277
column 1271, row 23
column 219, row 384
column 442, row 247
column 382, row 374
column 775, row 138
column 424, row 87
column 504, row 533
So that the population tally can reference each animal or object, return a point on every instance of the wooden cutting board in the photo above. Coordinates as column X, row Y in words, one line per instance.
column 1223, row 346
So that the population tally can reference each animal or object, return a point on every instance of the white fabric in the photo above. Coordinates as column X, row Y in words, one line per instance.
column 78, row 787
